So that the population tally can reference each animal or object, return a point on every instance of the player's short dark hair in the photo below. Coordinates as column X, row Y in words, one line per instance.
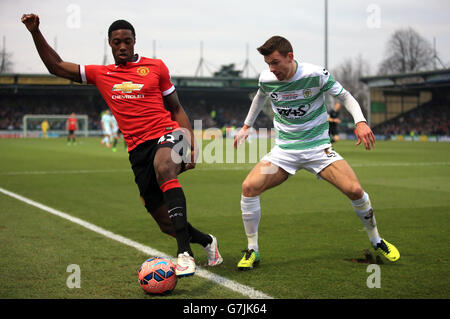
column 120, row 24
column 276, row 43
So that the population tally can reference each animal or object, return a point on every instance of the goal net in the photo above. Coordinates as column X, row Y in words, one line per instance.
column 57, row 125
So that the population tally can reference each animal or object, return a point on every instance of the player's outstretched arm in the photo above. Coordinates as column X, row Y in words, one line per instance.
column 51, row 59
column 255, row 108
column 362, row 131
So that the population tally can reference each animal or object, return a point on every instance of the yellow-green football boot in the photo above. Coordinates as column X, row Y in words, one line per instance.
column 389, row 251
column 249, row 261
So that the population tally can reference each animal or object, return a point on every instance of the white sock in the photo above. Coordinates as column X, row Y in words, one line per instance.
column 363, row 209
column 251, row 215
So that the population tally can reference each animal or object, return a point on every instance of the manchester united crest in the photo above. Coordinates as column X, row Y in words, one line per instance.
column 142, row 70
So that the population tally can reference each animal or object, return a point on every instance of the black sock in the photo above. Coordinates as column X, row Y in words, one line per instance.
column 176, row 207
column 197, row 237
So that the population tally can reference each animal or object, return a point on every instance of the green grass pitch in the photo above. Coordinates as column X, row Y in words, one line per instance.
column 309, row 234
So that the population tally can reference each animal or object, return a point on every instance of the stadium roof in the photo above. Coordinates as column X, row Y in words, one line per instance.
column 186, row 82
column 419, row 79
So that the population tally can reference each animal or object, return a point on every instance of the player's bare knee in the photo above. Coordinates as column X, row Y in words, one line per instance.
column 355, row 191
column 165, row 171
column 249, row 189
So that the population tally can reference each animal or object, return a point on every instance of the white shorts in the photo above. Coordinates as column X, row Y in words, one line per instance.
column 107, row 132
column 115, row 131
column 313, row 160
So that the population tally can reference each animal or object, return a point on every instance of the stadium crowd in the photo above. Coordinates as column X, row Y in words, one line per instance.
column 212, row 113
column 425, row 120
column 13, row 109
column 222, row 113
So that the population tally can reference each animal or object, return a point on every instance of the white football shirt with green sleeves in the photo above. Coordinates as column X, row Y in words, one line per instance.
column 300, row 113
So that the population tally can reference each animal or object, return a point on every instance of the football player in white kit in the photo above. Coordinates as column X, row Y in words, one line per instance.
column 296, row 91
column 106, row 128
column 114, row 133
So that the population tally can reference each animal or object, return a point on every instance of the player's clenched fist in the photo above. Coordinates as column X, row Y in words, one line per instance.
column 31, row 21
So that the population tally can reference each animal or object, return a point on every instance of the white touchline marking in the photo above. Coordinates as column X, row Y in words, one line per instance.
column 228, row 283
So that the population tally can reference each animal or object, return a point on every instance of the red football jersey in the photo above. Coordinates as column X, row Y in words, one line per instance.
column 134, row 93
column 72, row 123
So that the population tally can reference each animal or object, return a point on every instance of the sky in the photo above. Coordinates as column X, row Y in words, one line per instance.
column 174, row 30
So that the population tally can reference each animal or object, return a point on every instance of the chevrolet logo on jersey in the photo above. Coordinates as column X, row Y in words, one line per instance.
column 127, row 87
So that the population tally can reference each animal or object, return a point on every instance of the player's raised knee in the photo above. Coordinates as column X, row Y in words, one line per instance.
column 249, row 189
column 165, row 171
column 354, row 191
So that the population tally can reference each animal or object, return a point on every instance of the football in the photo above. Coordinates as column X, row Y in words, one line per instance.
column 157, row 276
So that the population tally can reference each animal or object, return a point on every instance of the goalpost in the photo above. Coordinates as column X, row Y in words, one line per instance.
column 32, row 124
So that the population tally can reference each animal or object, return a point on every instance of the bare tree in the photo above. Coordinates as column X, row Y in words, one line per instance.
column 5, row 59
column 348, row 74
column 407, row 51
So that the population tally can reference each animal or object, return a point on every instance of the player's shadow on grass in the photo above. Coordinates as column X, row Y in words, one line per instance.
column 368, row 258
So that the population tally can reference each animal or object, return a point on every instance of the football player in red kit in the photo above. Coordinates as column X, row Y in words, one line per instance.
column 71, row 127
column 140, row 94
